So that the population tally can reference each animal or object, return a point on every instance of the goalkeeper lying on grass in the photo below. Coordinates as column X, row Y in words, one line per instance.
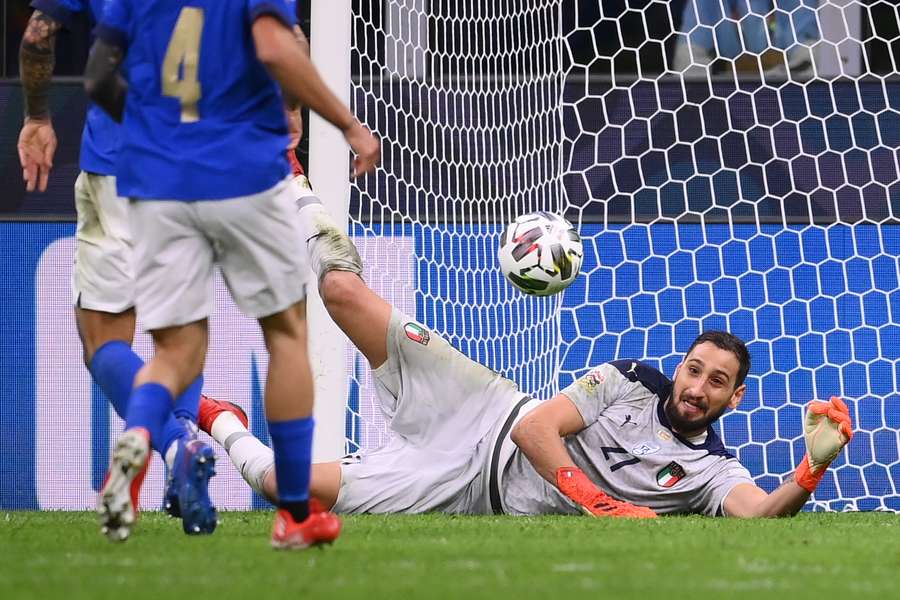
column 623, row 440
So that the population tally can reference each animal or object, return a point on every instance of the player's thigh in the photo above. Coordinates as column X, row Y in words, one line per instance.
column 432, row 393
column 360, row 313
column 259, row 249
column 174, row 264
column 103, row 274
column 403, row 477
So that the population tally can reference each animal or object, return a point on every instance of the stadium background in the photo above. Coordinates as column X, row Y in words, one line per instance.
column 765, row 207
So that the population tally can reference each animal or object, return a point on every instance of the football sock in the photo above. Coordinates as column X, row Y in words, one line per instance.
column 329, row 248
column 182, row 423
column 150, row 406
column 187, row 405
column 251, row 457
column 114, row 366
column 292, row 446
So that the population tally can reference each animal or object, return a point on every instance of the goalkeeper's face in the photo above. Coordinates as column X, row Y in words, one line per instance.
column 703, row 389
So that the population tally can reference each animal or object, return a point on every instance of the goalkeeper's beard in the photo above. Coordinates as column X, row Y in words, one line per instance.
column 690, row 426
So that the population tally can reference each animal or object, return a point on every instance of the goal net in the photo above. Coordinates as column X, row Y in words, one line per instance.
column 730, row 166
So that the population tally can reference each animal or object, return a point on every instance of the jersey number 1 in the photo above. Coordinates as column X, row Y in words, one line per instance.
column 179, row 67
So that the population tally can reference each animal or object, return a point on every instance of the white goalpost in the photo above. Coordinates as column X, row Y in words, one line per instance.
column 328, row 171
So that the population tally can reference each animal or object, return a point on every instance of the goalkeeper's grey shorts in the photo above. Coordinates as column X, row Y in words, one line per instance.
column 445, row 411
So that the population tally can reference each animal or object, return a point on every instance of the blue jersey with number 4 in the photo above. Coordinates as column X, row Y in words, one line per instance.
column 100, row 139
column 203, row 119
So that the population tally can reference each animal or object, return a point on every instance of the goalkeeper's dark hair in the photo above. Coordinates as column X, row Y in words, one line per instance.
column 732, row 343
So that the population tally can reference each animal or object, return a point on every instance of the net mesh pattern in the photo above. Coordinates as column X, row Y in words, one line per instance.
column 729, row 166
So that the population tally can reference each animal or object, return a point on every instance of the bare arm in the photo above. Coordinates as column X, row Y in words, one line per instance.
column 103, row 82
column 277, row 49
column 292, row 106
column 748, row 500
column 539, row 435
column 290, row 101
column 37, row 140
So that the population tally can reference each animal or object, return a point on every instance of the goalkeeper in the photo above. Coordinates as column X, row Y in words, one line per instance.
column 621, row 441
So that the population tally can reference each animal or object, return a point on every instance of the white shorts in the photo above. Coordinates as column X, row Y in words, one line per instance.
column 443, row 408
column 103, row 276
column 255, row 240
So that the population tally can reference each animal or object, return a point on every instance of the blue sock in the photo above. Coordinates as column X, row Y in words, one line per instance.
column 292, row 445
column 150, row 406
column 187, row 405
column 114, row 366
column 186, row 408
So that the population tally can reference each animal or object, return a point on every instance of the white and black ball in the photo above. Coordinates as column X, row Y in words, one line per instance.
column 541, row 253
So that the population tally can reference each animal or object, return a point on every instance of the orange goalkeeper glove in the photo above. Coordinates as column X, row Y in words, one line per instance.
column 572, row 482
column 827, row 429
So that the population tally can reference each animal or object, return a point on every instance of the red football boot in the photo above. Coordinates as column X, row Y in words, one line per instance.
column 210, row 409
column 318, row 528
column 117, row 505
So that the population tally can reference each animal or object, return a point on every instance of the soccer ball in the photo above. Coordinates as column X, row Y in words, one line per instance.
column 540, row 253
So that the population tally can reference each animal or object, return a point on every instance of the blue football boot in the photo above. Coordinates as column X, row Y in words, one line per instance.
column 195, row 464
column 170, row 497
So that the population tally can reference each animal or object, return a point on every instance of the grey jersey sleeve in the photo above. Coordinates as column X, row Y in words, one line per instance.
column 712, row 497
column 594, row 392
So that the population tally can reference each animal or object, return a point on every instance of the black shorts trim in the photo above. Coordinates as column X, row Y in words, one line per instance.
column 494, row 481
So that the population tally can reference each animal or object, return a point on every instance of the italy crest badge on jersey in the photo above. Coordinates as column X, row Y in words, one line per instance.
column 669, row 475
column 417, row 333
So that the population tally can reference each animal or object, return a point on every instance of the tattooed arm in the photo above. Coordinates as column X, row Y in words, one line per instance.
column 102, row 80
column 36, row 60
column 37, row 140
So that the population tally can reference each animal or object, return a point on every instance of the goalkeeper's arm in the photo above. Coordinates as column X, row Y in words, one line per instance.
column 827, row 429
column 539, row 435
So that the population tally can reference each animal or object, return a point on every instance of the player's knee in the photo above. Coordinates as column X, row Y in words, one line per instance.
column 340, row 289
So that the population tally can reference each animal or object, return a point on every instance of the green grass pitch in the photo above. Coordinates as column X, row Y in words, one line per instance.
column 849, row 555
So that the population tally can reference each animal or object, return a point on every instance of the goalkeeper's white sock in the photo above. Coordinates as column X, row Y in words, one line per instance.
column 251, row 457
column 328, row 248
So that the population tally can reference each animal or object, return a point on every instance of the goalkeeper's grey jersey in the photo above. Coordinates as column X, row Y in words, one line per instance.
column 629, row 450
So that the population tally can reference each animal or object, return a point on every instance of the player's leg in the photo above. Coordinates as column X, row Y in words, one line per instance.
column 227, row 423
column 103, row 287
column 360, row 313
column 289, row 405
column 173, row 270
column 104, row 294
column 263, row 264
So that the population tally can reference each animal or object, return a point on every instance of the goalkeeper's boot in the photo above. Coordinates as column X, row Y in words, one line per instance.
column 318, row 529
column 195, row 464
column 117, row 505
column 211, row 409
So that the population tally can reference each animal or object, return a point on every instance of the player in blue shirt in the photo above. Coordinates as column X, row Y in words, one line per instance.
column 102, row 278
column 202, row 160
